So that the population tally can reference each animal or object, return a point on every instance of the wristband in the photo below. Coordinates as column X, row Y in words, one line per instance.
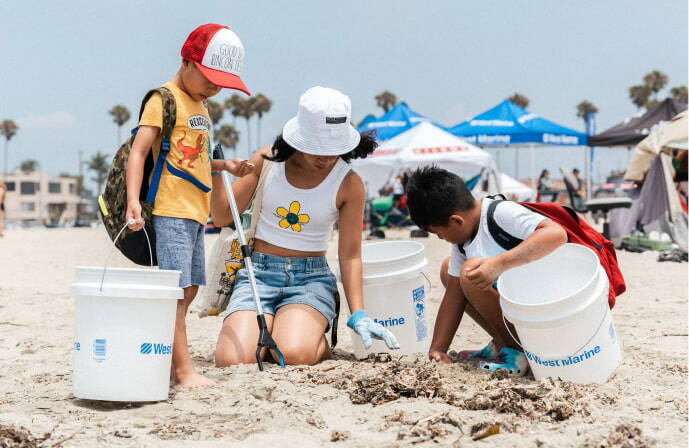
column 355, row 317
column 213, row 173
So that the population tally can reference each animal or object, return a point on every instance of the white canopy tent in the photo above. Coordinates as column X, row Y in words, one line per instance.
column 513, row 189
column 422, row 145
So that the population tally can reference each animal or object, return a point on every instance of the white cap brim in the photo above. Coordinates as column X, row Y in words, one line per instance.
column 316, row 146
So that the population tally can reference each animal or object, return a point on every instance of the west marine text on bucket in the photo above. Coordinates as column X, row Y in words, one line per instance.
column 156, row 349
column 564, row 362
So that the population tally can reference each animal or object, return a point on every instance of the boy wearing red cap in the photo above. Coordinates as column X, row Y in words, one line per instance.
column 212, row 58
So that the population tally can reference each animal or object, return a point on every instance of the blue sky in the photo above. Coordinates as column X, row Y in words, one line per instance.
column 67, row 63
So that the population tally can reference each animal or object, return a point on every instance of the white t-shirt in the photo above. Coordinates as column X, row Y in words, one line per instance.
column 515, row 219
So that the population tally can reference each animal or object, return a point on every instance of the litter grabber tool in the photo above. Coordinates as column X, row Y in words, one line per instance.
column 265, row 340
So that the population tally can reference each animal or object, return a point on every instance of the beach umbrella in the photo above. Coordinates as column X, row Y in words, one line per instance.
column 667, row 137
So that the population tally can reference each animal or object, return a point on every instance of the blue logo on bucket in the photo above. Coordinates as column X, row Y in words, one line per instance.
column 77, row 346
column 99, row 349
column 157, row 349
column 611, row 330
column 418, row 296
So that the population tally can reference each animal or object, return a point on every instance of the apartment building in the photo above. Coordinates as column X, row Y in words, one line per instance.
column 37, row 198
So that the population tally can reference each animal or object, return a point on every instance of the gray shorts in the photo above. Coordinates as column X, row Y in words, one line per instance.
column 179, row 244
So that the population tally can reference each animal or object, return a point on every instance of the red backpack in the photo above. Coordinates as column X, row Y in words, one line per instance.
column 578, row 232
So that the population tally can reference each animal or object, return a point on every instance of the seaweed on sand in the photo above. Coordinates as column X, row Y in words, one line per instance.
column 555, row 400
column 395, row 381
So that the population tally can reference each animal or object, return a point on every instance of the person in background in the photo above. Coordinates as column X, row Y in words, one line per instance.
column 3, row 190
column 545, row 184
column 578, row 189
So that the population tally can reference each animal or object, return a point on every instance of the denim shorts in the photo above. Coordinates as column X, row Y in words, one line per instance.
column 282, row 281
column 179, row 244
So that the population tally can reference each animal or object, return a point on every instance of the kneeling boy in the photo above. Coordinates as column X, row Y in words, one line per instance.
column 440, row 203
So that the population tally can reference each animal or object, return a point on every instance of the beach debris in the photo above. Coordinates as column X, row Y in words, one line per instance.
column 554, row 400
column 621, row 436
column 172, row 431
column 430, row 428
column 395, row 381
column 483, row 430
column 123, row 433
column 12, row 437
column 339, row 436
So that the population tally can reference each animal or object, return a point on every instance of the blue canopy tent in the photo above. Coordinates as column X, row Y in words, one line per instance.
column 367, row 119
column 509, row 124
column 395, row 121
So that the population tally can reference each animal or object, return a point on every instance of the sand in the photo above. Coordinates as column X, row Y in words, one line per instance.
column 386, row 402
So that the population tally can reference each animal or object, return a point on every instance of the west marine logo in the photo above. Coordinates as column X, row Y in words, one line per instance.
column 157, row 349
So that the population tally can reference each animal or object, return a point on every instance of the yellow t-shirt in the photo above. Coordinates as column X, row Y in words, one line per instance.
column 189, row 152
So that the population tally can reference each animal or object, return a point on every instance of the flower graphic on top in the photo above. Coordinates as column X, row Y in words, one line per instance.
column 292, row 218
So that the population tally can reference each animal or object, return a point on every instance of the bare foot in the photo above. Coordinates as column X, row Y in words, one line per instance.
column 193, row 380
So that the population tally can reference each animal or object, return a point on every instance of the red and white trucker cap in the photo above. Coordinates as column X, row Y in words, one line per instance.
column 218, row 54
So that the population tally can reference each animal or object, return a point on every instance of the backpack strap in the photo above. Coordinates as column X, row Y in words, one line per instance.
column 504, row 239
column 169, row 120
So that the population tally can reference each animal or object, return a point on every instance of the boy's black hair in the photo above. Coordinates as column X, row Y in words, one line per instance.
column 281, row 150
column 435, row 194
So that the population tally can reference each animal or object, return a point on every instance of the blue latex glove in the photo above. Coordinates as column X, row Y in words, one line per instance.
column 365, row 327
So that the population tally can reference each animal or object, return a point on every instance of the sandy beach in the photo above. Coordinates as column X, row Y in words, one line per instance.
column 386, row 402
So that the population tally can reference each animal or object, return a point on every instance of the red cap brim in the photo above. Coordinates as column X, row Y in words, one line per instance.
column 222, row 79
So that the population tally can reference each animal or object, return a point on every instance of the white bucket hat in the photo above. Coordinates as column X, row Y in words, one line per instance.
column 322, row 126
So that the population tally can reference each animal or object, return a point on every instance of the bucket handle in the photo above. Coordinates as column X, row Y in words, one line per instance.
column 430, row 285
column 560, row 357
column 112, row 249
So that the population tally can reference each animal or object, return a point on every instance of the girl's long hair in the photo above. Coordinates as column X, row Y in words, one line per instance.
column 281, row 150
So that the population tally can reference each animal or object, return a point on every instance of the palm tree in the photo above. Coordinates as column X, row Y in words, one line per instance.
column 245, row 108
column 120, row 115
column 584, row 109
column 386, row 100
column 656, row 80
column 262, row 105
column 100, row 165
column 520, row 100
column 679, row 94
column 215, row 112
column 227, row 136
column 28, row 166
column 8, row 129
column 645, row 95
column 640, row 94
column 233, row 104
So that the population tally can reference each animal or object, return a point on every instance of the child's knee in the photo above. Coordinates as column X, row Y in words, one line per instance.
column 444, row 267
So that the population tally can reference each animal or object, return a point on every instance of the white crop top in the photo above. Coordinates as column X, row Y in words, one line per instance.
column 296, row 218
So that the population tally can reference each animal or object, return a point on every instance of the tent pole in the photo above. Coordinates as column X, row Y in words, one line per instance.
column 516, row 162
column 587, row 171
column 533, row 162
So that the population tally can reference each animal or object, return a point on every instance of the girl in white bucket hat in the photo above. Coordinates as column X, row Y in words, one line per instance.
column 308, row 187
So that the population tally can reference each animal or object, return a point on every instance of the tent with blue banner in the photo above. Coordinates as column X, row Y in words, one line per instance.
column 367, row 119
column 509, row 124
column 397, row 120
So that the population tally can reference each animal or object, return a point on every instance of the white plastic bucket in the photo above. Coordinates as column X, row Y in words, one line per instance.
column 559, row 307
column 395, row 295
column 123, row 333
